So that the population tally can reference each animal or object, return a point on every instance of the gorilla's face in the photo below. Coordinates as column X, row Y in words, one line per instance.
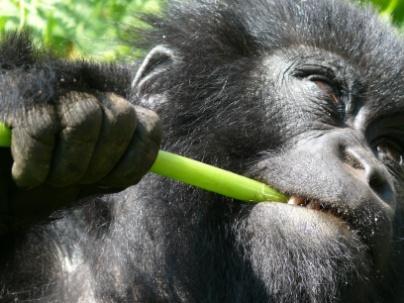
column 314, row 109
column 339, row 160
column 337, row 155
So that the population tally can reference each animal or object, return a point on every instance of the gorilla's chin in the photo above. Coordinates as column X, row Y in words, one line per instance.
column 304, row 255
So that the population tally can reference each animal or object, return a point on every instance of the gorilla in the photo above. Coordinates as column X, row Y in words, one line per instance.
column 304, row 95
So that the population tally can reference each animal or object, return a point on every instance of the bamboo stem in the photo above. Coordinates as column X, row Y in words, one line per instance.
column 199, row 174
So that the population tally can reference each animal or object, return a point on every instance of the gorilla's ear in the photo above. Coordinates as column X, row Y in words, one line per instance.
column 159, row 59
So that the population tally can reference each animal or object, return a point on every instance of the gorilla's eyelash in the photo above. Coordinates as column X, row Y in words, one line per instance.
column 321, row 73
column 315, row 70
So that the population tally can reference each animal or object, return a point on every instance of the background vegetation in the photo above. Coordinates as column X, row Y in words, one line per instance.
column 99, row 28
column 77, row 28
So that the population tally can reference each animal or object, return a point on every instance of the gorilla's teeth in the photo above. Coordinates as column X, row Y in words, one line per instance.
column 293, row 200
column 314, row 205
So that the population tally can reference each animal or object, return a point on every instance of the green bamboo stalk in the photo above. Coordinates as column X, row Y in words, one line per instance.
column 213, row 179
column 5, row 136
column 199, row 174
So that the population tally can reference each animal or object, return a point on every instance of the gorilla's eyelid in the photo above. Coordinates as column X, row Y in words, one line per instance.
column 306, row 71
column 320, row 73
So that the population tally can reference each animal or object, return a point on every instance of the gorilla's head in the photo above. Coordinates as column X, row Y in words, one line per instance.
column 306, row 96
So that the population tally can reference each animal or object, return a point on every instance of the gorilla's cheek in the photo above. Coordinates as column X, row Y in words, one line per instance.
column 293, row 248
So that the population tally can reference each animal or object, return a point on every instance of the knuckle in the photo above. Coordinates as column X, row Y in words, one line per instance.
column 32, row 143
column 150, row 124
column 122, row 110
column 78, row 110
column 39, row 122
column 80, row 116
column 147, row 115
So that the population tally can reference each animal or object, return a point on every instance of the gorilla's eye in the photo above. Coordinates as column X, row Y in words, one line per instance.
column 390, row 151
column 325, row 80
column 327, row 88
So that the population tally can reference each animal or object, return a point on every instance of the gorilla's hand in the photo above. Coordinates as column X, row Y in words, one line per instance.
column 80, row 144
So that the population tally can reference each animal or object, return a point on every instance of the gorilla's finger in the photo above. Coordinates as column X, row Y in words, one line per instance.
column 81, row 119
column 119, row 123
column 141, row 152
column 32, row 143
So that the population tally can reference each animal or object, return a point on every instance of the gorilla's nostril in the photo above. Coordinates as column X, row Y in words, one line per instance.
column 376, row 183
column 380, row 186
column 361, row 165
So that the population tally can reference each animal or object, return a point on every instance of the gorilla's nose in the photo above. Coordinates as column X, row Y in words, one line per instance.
column 363, row 165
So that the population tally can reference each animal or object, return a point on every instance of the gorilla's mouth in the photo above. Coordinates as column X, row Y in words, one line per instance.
column 318, row 206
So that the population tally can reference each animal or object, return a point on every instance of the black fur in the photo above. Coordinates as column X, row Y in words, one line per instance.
column 226, row 97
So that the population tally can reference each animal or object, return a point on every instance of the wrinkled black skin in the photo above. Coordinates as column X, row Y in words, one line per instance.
column 237, row 92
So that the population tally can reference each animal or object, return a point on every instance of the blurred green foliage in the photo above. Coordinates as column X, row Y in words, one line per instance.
column 99, row 28
column 77, row 28
column 391, row 9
